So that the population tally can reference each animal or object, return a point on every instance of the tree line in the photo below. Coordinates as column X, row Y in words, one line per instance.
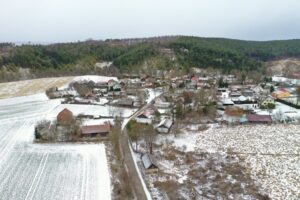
column 226, row 54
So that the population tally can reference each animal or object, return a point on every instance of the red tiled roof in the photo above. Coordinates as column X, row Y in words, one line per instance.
column 64, row 115
column 259, row 118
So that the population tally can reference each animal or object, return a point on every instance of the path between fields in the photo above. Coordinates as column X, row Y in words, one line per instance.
column 137, row 182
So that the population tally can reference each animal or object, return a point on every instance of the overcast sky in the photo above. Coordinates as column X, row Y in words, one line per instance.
column 72, row 20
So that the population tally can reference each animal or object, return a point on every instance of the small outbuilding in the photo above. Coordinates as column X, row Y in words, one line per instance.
column 149, row 165
column 164, row 126
column 96, row 130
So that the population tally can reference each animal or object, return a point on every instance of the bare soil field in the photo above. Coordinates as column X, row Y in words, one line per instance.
column 29, row 87
column 284, row 66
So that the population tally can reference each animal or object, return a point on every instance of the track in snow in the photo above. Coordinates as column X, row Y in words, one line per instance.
column 41, row 172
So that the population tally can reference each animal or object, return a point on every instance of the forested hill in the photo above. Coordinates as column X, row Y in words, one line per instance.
column 161, row 52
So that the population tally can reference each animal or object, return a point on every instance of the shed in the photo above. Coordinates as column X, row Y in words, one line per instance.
column 65, row 116
column 94, row 130
column 148, row 164
column 164, row 126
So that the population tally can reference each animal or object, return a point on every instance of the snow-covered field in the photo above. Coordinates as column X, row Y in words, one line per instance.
column 271, row 153
column 37, row 171
column 29, row 87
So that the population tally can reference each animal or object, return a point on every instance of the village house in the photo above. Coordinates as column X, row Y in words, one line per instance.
column 96, row 130
column 249, row 94
column 148, row 164
column 222, row 93
column 161, row 103
column 235, row 94
column 229, row 78
column 146, row 116
column 127, row 102
column 64, row 116
column 257, row 89
column 265, row 101
column 164, row 126
column 227, row 102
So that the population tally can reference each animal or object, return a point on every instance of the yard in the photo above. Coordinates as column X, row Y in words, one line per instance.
column 238, row 162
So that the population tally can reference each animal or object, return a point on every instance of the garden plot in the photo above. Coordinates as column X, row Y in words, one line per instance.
column 271, row 154
column 34, row 171
column 193, row 175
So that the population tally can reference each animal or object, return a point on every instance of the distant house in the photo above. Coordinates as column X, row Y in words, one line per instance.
column 259, row 119
column 148, row 164
column 235, row 94
column 125, row 102
column 161, row 103
column 258, row 89
column 248, row 93
column 281, row 93
column 227, row 102
column 264, row 102
column 96, row 130
column 145, row 117
column 222, row 93
column 229, row 78
column 164, row 126
column 111, row 82
column 65, row 116
column 117, row 87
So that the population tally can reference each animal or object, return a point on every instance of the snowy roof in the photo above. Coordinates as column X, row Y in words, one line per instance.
column 227, row 102
column 147, row 161
column 242, row 98
column 167, row 123
column 147, row 113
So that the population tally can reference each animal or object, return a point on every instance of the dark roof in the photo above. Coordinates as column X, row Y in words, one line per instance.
column 126, row 102
column 259, row 118
column 105, row 128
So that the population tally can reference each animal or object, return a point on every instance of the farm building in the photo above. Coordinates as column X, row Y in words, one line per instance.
column 259, row 119
column 164, row 126
column 148, row 164
column 96, row 130
column 65, row 116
